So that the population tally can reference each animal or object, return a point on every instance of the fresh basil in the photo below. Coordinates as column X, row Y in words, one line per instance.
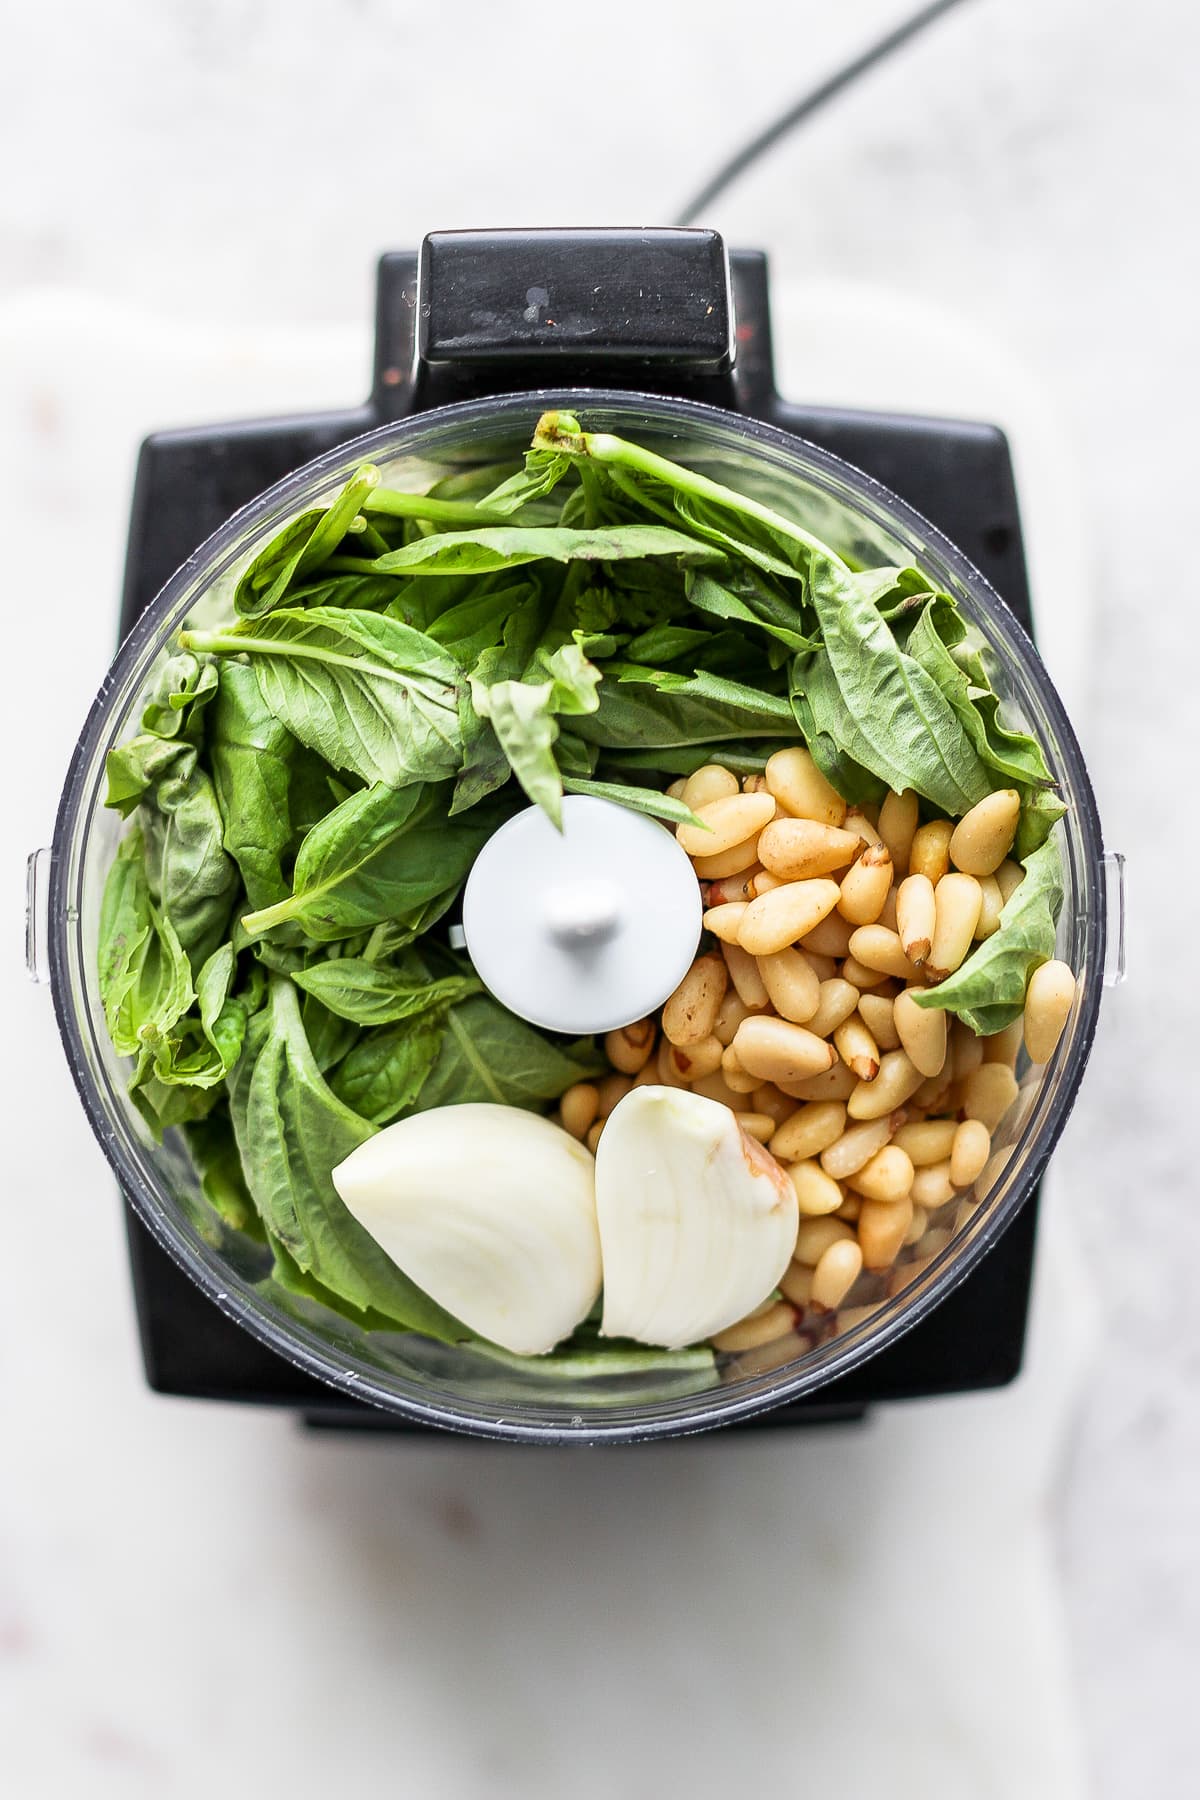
column 988, row 991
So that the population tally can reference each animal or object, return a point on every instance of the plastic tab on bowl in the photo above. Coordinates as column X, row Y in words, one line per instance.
column 1114, row 893
column 37, row 914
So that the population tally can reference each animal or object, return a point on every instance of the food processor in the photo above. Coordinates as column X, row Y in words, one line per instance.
column 662, row 336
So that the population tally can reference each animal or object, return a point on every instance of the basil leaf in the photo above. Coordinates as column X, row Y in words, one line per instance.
column 133, row 769
column 487, row 1053
column 252, row 757
column 144, row 975
column 646, row 708
column 194, row 879
column 782, row 621
column 291, row 1133
column 638, row 799
column 383, row 854
column 371, row 994
column 364, row 691
column 522, row 715
column 213, row 1149
column 182, row 690
column 664, row 644
column 988, row 991
column 303, row 544
column 508, row 546
column 383, row 1074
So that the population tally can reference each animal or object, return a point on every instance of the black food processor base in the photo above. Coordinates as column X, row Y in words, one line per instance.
column 665, row 322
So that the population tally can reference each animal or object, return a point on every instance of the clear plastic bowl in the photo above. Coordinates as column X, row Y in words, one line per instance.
column 457, row 1387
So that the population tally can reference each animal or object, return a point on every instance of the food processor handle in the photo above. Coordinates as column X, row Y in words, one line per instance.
column 495, row 312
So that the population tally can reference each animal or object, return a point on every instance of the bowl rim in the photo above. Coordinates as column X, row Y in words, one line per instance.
column 685, row 1414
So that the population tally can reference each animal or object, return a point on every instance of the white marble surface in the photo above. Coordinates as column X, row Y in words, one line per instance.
column 186, row 1592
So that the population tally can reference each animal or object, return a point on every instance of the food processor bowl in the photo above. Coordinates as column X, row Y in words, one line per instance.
column 463, row 1387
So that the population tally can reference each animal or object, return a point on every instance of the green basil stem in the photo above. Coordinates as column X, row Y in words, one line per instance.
column 561, row 432
column 398, row 505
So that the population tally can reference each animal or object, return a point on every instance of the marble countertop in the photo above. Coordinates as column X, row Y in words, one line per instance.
column 999, row 1596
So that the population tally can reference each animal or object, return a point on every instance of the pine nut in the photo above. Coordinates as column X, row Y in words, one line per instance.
column 675, row 791
column 878, row 948
column 730, row 862
column 594, row 1134
column 850, row 1208
column 1005, row 1046
column 882, row 1225
column 857, row 821
column 735, row 1075
column 859, row 975
column 850, row 1317
column 866, row 886
column 835, row 1275
column 957, row 904
column 915, row 913
column 610, row 1092
column 927, row 1141
column 730, row 1014
column 725, row 823
column 743, row 972
column 932, row 1186
column 930, row 852
column 988, row 1093
column 897, row 826
column 837, row 1083
column 1048, row 1001
column 801, row 789
column 792, row 985
column 769, row 1099
column 935, row 1241
column 647, row 1077
column 733, row 887
column 816, row 1192
column 983, row 837
column 815, row 1236
column 715, row 1087
column 723, row 921
column 777, row 1050
column 966, row 1050
column 692, row 1062
column 764, row 1328
column 707, row 784
column 887, row 912
column 916, row 1230
column 904, row 1276
column 795, row 1284
column 898, row 1079
column 933, row 1095
column 754, row 784
column 799, row 848
column 579, row 1107
column 972, row 1147
column 997, row 1163
column 756, row 1125
column 691, row 1012
column 823, row 967
column 810, row 1130
column 830, row 938
column 878, row 1014
column 991, row 908
column 631, row 1048
column 922, row 1032
column 857, row 1048
column 887, row 1176
column 764, row 883
column 785, row 914
column 664, row 1064
column 855, row 1148
column 1009, row 877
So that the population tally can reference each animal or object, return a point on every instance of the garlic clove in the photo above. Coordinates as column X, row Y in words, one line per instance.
column 489, row 1209
column 697, row 1220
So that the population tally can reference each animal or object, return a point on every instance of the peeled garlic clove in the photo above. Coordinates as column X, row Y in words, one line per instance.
column 697, row 1221
column 491, row 1210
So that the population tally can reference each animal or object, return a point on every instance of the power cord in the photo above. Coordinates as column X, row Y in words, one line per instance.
column 810, row 103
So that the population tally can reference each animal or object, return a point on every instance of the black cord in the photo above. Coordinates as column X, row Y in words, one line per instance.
column 811, row 103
